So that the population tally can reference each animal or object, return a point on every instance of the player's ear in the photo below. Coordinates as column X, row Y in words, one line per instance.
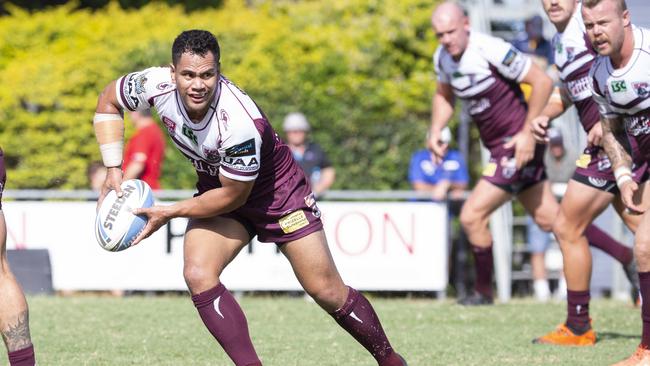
column 626, row 18
column 172, row 69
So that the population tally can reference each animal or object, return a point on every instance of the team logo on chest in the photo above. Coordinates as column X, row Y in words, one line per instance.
column 211, row 155
column 641, row 89
column 570, row 54
column 223, row 116
column 171, row 125
column 618, row 86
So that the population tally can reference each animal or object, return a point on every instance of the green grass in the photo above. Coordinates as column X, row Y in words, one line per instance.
column 89, row 330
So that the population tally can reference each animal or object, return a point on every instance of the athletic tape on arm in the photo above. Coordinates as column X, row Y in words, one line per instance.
column 109, row 129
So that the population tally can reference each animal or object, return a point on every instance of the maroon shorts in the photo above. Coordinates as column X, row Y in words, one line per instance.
column 501, row 170
column 594, row 169
column 3, row 176
column 290, row 213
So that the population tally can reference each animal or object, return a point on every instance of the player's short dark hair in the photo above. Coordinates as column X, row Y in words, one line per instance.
column 622, row 6
column 196, row 42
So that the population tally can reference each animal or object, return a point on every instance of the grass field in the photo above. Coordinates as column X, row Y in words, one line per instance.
column 89, row 330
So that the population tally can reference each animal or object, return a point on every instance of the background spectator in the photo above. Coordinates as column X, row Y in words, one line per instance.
column 145, row 151
column 96, row 175
column 534, row 42
column 309, row 155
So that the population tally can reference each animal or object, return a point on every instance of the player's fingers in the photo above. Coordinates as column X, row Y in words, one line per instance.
column 143, row 234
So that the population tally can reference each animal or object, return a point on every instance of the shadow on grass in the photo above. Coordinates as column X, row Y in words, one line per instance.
column 604, row 336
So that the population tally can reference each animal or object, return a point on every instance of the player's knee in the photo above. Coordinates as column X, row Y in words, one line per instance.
column 197, row 278
column 545, row 223
column 563, row 230
column 642, row 249
column 469, row 220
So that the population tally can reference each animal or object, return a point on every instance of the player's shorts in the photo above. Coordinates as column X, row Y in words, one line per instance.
column 290, row 214
column 501, row 170
column 594, row 169
column 3, row 176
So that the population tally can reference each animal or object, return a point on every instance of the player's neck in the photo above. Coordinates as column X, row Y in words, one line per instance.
column 197, row 117
column 621, row 59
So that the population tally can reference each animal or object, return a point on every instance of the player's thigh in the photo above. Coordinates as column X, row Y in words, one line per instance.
column 484, row 199
column 210, row 244
column 540, row 203
column 3, row 241
column 581, row 204
column 312, row 263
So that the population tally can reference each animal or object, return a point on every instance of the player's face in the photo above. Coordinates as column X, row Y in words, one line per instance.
column 196, row 81
column 452, row 33
column 559, row 11
column 605, row 25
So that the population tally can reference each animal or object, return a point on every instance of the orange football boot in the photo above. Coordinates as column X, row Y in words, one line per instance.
column 563, row 336
column 641, row 357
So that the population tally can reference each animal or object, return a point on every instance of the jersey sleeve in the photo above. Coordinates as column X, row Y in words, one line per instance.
column 135, row 91
column 509, row 62
column 440, row 74
column 598, row 96
column 240, row 153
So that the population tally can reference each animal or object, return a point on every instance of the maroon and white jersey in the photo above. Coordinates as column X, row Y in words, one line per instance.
column 625, row 93
column 233, row 139
column 487, row 78
column 574, row 56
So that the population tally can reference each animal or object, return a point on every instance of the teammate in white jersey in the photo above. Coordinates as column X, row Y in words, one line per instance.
column 485, row 73
column 593, row 186
column 248, row 185
column 621, row 87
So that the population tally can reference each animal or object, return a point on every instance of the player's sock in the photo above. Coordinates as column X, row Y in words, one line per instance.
column 359, row 319
column 644, row 288
column 601, row 240
column 578, row 311
column 226, row 321
column 484, row 267
column 22, row 357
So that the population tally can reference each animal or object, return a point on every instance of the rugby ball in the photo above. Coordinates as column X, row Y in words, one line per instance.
column 115, row 226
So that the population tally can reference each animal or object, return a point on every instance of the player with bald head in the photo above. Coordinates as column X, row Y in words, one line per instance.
column 485, row 72
column 620, row 82
column 592, row 187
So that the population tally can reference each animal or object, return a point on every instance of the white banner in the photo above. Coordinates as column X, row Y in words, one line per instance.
column 376, row 246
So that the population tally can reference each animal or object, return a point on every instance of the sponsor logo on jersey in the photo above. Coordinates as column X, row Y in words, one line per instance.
column 618, row 86
column 511, row 56
column 478, row 106
column 597, row 182
column 570, row 54
column 187, row 132
column 164, row 85
column 128, row 91
column 508, row 167
column 579, row 89
column 140, row 81
column 171, row 125
column 212, row 155
column 604, row 163
column 293, row 222
column 242, row 164
column 246, row 148
column 641, row 89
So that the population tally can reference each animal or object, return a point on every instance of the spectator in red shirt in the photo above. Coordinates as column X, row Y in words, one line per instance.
column 145, row 151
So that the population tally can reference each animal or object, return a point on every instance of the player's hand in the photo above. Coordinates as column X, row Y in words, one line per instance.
column 437, row 146
column 627, row 196
column 157, row 216
column 540, row 126
column 595, row 135
column 524, row 144
column 113, row 181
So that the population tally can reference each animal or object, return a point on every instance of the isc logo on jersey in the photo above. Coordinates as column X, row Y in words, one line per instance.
column 115, row 225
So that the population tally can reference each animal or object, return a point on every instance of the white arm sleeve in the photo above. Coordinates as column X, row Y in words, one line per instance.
column 508, row 61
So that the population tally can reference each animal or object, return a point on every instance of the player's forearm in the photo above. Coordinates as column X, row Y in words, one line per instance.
column 109, row 127
column 441, row 112
column 555, row 106
column 214, row 202
column 612, row 136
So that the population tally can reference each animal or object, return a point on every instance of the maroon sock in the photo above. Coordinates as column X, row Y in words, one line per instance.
column 644, row 284
column 578, row 311
column 359, row 319
column 22, row 357
column 484, row 267
column 226, row 321
column 601, row 240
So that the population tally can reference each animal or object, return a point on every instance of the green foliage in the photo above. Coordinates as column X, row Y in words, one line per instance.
column 361, row 71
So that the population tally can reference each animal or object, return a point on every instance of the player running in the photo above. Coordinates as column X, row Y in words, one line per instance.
column 593, row 186
column 248, row 185
column 14, row 315
column 621, row 87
